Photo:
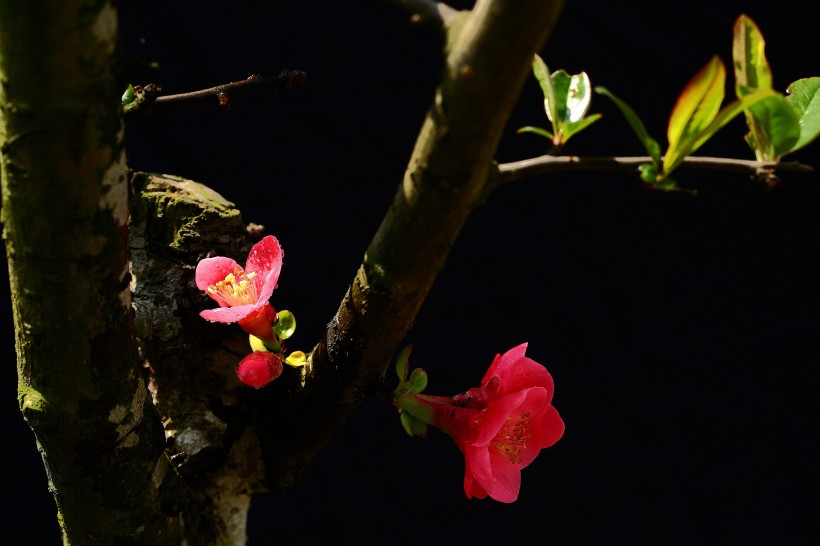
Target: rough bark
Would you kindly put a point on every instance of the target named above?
(65, 227)
(81, 384)
(191, 363)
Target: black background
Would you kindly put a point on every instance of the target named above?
(681, 332)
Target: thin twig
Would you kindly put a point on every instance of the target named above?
(428, 12)
(517, 170)
(149, 101)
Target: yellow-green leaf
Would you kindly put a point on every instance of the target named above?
(696, 107)
(726, 114)
(752, 70)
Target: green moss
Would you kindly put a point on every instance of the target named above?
(34, 406)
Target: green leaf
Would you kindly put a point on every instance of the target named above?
(403, 362)
(751, 67)
(537, 130)
(804, 98)
(574, 127)
(650, 144)
(775, 128)
(579, 95)
(413, 426)
(418, 381)
(542, 74)
(285, 325)
(561, 82)
(696, 107)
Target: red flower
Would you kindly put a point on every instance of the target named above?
(259, 368)
(500, 426)
(242, 294)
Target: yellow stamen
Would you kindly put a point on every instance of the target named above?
(513, 436)
(236, 288)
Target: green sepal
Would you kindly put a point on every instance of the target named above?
(297, 359)
(403, 364)
(417, 382)
(129, 96)
(285, 325)
(413, 426)
(259, 344)
(648, 173)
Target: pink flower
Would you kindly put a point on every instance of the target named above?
(259, 368)
(242, 294)
(500, 427)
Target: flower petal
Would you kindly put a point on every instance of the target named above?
(212, 270)
(227, 314)
(551, 427)
(265, 259)
(477, 462)
(471, 487)
(503, 361)
(506, 480)
(496, 415)
(516, 371)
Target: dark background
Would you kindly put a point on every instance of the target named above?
(681, 332)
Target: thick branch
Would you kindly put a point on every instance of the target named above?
(517, 170)
(488, 60)
(65, 214)
(149, 102)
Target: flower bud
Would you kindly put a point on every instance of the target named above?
(259, 368)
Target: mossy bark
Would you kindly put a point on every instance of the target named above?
(65, 225)
(207, 414)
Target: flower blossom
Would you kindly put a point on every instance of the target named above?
(259, 368)
(500, 427)
(242, 294)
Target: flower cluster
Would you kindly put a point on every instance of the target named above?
(500, 427)
(242, 295)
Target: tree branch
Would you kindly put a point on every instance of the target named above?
(517, 170)
(445, 180)
(149, 102)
